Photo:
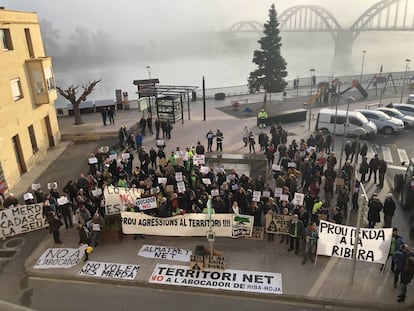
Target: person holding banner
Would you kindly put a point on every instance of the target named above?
(375, 207)
(311, 234)
(295, 233)
(396, 244)
(54, 225)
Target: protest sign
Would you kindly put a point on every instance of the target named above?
(257, 234)
(339, 240)
(125, 156)
(234, 187)
(214, 262)
(196, 262)
(179, 176)
(112, 156)
(284, 197)
(182, 155)
(165, 252)
(104, 149)
(118, 198)
(145, 204)
(155, 190)
(118, 271)
(162, 162)
(160, 143)
(199, 159)
(28, 196)
(162, 180)
(292, 164)
(22, 219)
(215, 192)
(278, 192)
(169, 188)
(52, 185)
(93, 160)
(266, 194)
(275, 167)
(278, 223)
(97, 192)
(179, 161)
(36, 186)
(236, 280)
(194, 224)
(181, 187)
(204, 169)
(62, 200)
(60, 258)
(256, 196)
(298, 198)
(206, 181)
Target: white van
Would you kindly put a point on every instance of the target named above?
(358, 124)
(410, 99)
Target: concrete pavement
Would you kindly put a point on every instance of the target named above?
(326, 283)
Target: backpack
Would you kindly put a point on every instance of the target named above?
(409, 264)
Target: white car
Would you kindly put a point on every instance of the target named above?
(384, 122)
(410, 99)
(403, 108)
(395, 113)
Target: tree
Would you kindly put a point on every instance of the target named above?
(271, 69)
(70, 94)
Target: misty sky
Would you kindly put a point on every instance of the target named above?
(131, 16)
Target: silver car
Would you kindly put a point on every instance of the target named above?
(395, 113)
(403, 108)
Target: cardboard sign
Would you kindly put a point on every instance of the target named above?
(162, 180)
(256, 196)
(36, 186)
(52, 185)
(160, 143)
(266, 194)
(278, 192)
(196, 262)
(169, 188)
(93, 160)
(339, 241)
(118, 198)
(291, 164)
(204, 169)
(276, 167)
(145, 204)
(28, 196)
(258, 234)
(199, 159)
(125, 156)
(165, 252)
(97, 192)
(104, 149)
(278, 224)
(62, 200)
(179, 176)
(179, 161)
(284, 197)
(112, 157)
(206, 181)
(181, 187)
(58, 258)
(22, 219)
(109, 270)
(162, 162)
(235, 280)
(214, 262)
(298, 198)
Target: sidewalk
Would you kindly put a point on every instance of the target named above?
(327, 283)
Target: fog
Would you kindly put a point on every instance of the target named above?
(183, 40)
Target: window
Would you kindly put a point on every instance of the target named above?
(29, 42)
(16, 89)
(49, 79)
(339, 120)
(33, 139)
(355, 121)
(6, 39)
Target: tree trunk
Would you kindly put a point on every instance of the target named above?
(76, 113)
(265, 99)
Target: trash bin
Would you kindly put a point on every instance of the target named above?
(199, 250)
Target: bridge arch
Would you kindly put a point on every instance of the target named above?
(247, 26)
(373, 18)
(309, 18)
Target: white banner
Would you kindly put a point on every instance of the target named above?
(197, 224)
(117, 199)
(198, 159)
(60, 257)
(146, 203)
(236, 280)
(22, 219)
(338, 241)
(109, 270)
(165, 252)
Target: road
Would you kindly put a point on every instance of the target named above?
(64, 296)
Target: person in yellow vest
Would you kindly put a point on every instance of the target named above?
(262, 117)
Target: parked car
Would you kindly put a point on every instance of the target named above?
(384, 122)
(410, 99)
(331, 121)
(395, 113)
(403, 108)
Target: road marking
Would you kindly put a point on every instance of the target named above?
(396, 167)
(323, 276)
(386, 154)
(403, 156)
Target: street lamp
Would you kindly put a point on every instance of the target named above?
(313, 81)
(362, 65)
(407, 61)
(149, 94)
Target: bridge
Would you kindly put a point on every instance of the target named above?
(385, 15)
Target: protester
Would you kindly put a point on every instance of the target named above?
(296, 231)
(388, 210)
(374, 209)
(210, 137)
(404, 265)
(311, 235)
(54, 225)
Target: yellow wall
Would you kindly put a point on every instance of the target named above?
(17, 116)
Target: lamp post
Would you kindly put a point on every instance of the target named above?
(362, 65)
(149, 94)
(313, 80)
(407, 61)
(349, 100)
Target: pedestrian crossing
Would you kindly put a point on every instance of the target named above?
(392, 155)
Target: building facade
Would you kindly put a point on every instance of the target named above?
(29, 125)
